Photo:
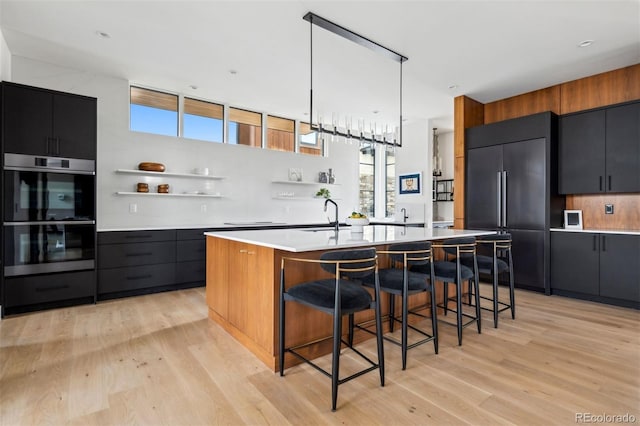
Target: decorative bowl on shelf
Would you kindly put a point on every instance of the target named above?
(357, 223)
(151, 167)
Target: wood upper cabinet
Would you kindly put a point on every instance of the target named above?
(43, 122)
(599, 151)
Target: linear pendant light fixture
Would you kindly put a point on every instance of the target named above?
(384, 137)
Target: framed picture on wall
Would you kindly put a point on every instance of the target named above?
(410, 183)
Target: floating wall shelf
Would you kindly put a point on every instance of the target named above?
(157, 194)
(170, 174)
(295, 182)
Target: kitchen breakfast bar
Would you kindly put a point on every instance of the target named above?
(243, 278)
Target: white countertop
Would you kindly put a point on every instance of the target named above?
(601, 231)
(301, 240)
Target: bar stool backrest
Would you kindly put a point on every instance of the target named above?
(348, 264)
(416, 253)
(498, 243)
(461, 246)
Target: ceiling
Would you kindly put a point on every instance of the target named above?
(487, 50)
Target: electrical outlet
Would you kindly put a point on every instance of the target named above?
(608, 209)
(133, 208)
(203, 208)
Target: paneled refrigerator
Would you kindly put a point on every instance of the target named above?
(511, 186)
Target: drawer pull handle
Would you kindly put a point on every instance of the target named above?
(57, 287)
(137, 254)
(139, 277)
(133, 237)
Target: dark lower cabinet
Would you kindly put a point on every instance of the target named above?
(575, 262)
(33, 292)
(139, 262)
(599, 267)
(620, 266)
(191, 261)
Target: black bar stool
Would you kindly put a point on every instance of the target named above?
(400, 280)
(338, 296)
(494, 259)
(454, 271)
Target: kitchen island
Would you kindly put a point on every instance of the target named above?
(243, 278)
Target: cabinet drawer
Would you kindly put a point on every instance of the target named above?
(191, 250)
(191, 272)
(31, 290)
(124, 237)
(191, 234)
(135, 277)
(120, 255)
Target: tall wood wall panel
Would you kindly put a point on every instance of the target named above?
(626, 210)
(600, 90)
(522, 105)
(466, 113)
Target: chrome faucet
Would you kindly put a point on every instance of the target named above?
(329, 200)
(404, 215)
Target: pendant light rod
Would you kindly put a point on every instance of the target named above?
(355, 37)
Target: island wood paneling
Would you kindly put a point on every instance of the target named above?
(242, 295)
(600, 90)
(542, 100)
(466, 113)
(626, 210)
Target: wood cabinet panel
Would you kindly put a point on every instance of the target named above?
(599, 90)
(626, 214)
(547, 99)
(217, 291)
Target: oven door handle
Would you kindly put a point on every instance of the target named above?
(52, 222)
(50, 170)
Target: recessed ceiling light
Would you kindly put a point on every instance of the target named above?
(453, 86)
(585, 43)
(305, 113)
(375, 111)
(193, 87)
(233, 72)
(103, 34)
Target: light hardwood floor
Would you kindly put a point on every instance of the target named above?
(157, 359)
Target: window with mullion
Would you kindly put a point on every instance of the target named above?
(152, 111)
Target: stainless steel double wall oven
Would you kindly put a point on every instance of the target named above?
(49, 214)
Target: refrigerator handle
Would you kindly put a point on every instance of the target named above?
(498, 199)
(504, 199)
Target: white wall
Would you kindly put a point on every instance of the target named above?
(415, 157)
(247, 189)
(5, 60)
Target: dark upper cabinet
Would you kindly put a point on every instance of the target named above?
(43, 122)
(599, 151)
(623, 148)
